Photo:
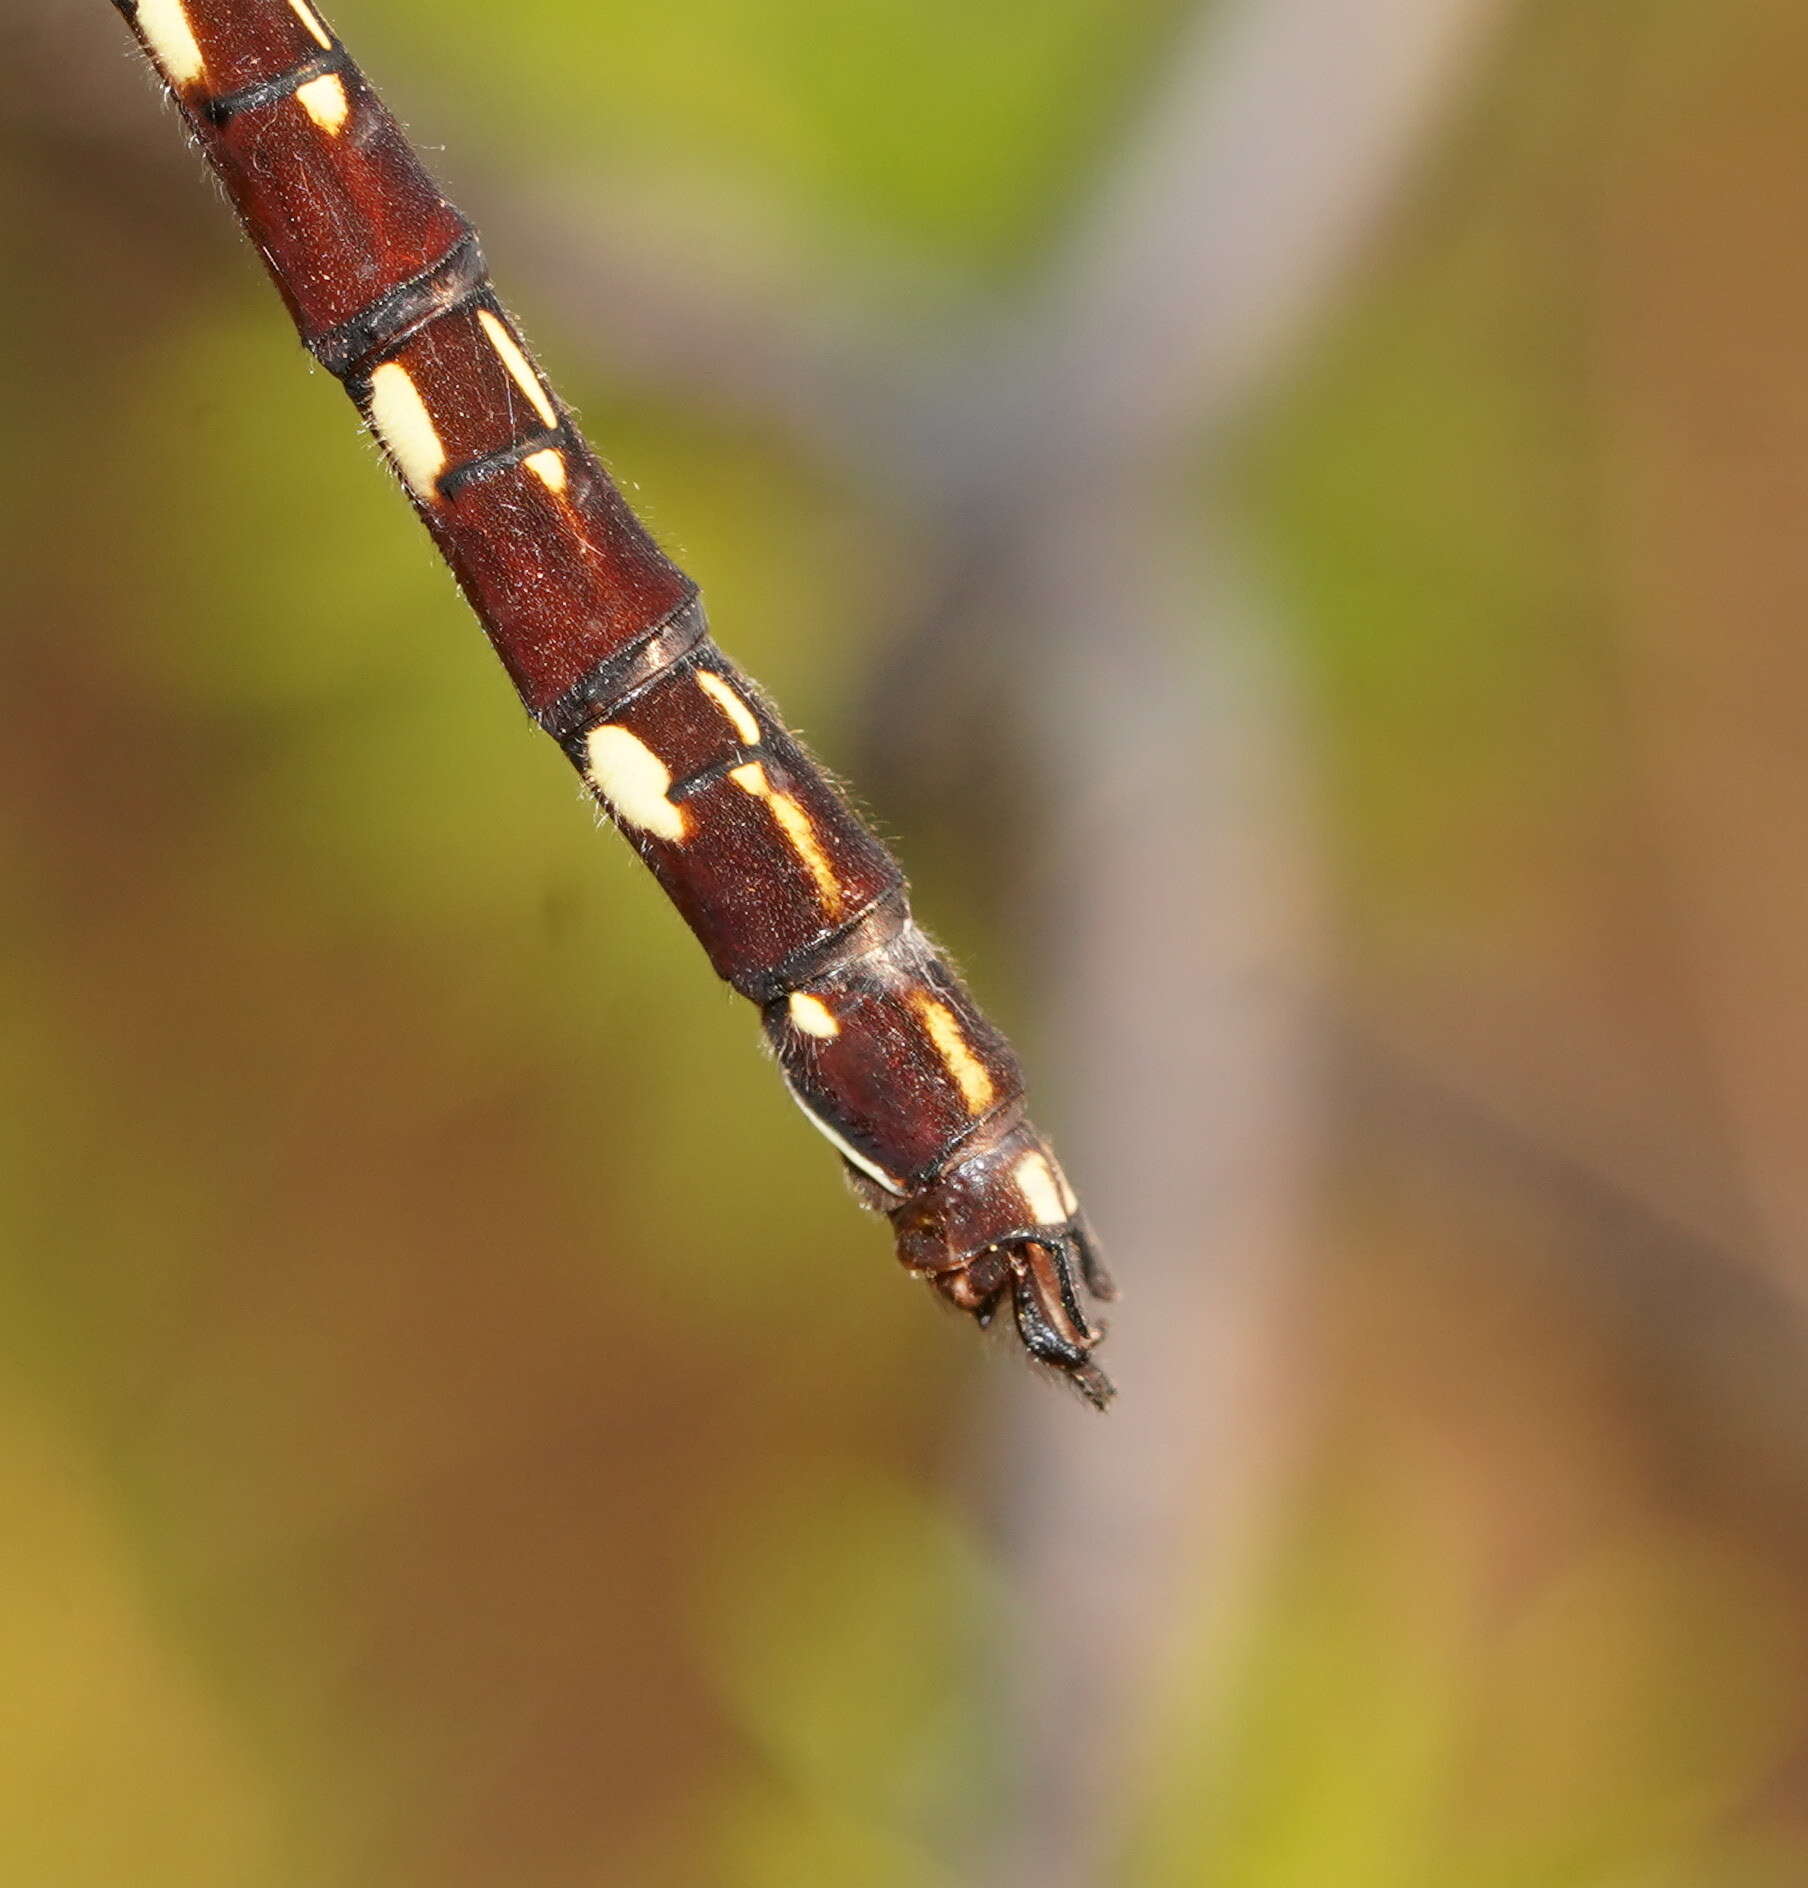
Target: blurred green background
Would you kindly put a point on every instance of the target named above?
(1291, 514)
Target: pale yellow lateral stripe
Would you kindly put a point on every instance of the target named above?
(866, 1166)
(172, 41)
(311, 20)
(399, 417)
(324, 100)
(971, 1075)
(740, 716)
(520, 369)
(795, 824)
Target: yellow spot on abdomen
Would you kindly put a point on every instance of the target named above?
(548, 467)
(1041, 1191)
(172, 41)
(399, 417)
(633, 780)
(324, 100)
(812, 1015)
(799, 833)
(971, 1076)
(508, 351)
(740, 716)
(311, 20)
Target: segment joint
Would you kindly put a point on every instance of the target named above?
(617, 679)
(261, 92)
(349, 351)
(875, 927)
(488, 465)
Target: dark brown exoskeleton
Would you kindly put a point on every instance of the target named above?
(799, 907)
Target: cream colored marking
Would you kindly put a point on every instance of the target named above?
(794, 823)
(548, 467)
(1069, 1199)
(311, 20)
(172, 41)
(324, 100)
(970, 1074)
(812, 1015)
(633, 779)
(1036, 1182)
(871, 1171)
(508, 351)
(740, 716)
(400, 419)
